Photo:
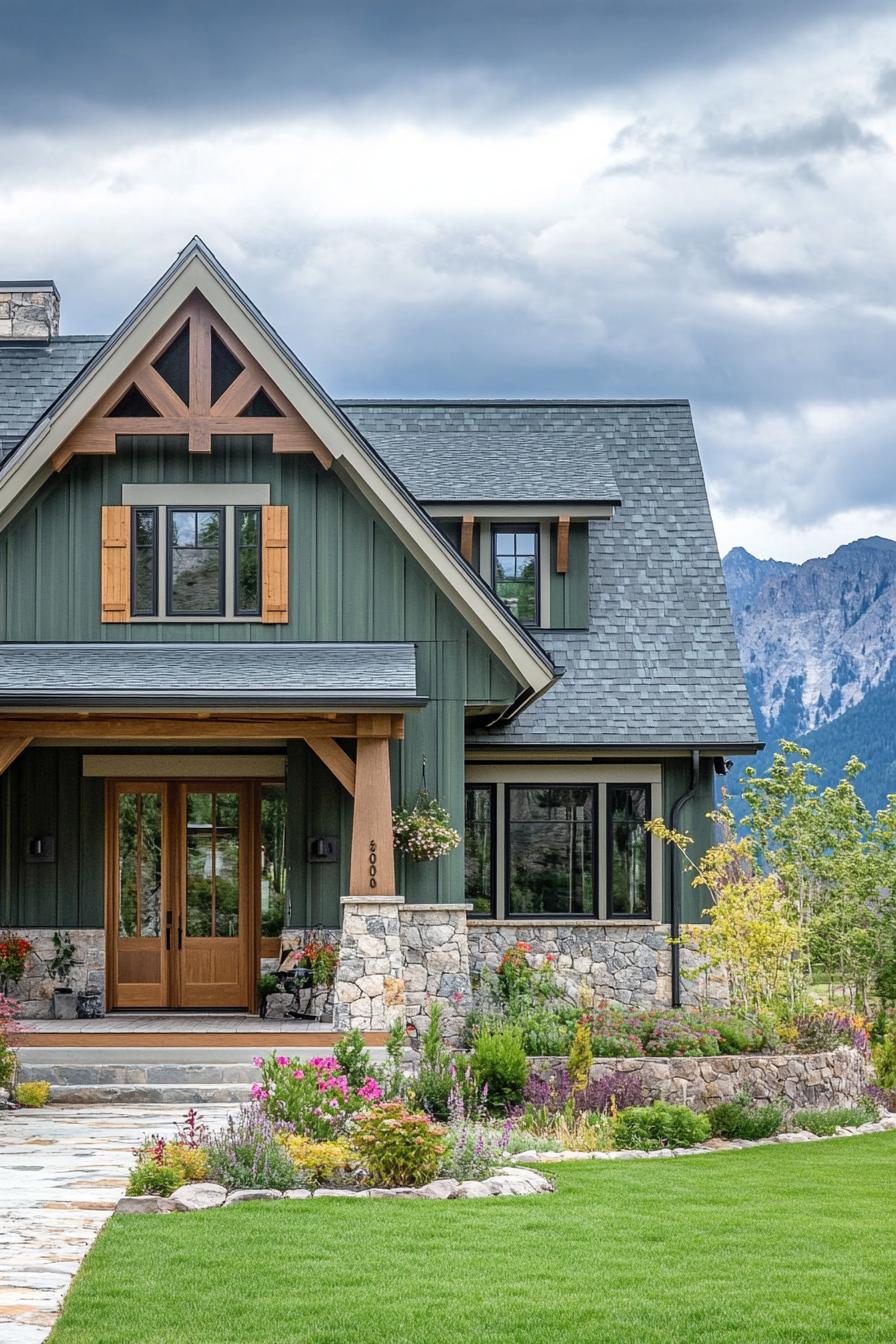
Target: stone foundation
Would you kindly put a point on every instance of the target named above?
(436, 964)
(369, 992)
(831, 1078)
(625, 962)
(34, 991)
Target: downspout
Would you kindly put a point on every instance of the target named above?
(677, 863)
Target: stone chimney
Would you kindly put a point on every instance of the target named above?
(29, 310)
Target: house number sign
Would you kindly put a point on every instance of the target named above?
(371, 864)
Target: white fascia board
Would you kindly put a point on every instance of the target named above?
(192, 272)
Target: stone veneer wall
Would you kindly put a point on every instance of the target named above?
(627, 962)
(436, 964)
(34, 991)
(369, 990)
(830, 1078)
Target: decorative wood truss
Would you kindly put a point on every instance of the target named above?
(195, 379)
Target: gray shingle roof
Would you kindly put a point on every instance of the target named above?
(257, 675)
(510, 452)
(32, 375)
(659, 664)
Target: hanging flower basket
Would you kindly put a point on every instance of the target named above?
(424, 831)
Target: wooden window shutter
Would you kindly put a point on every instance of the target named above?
(275, 564)
(115, 567)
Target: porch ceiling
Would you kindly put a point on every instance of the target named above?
(282, 676)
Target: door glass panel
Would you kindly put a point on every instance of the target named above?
(213, 885)
(273, 859)
(139, 865)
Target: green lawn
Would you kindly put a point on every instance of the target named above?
(785, 1243)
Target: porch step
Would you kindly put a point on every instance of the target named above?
(148, 1094)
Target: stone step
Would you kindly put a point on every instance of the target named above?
(92, 1073)
(148, 1094)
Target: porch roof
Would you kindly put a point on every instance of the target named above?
(246, 675)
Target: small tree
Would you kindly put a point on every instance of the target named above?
(753, 933)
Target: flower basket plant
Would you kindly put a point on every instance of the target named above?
(424, 831)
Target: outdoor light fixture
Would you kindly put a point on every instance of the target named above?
(41, 849)
(323, 849)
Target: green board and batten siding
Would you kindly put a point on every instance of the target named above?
(350, 579)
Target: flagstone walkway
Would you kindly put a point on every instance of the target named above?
(62, 1170)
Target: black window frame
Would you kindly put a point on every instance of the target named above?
(648, 852)
(503, 529)
(530, 916)
(238, 511)
(154, 510)
(491, 789)
(221, 610)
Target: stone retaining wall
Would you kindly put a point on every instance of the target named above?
(626, 962)
(34, 991)
(830, 1078)
(436, 964)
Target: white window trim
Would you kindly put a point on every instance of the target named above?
(544, 560)
(602, 776)
(226, 497)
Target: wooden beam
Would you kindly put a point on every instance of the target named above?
(466, 538)
(186, 728)
(374, 725)
(10, 749)
(372, 871)
(337, 761)
(562, 544)
(158, 393)
(238, 394)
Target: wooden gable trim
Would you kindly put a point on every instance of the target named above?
(466, 537)
(99, 430)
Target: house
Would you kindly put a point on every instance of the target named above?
(240, 621)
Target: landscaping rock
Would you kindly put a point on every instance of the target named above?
(533, 1181)
(144, 1204)
(443, 1189)
(473, 1190)
(244, 1196)
(279, 1006)
(199, 1195)
(296, 1194)
(396, 1192)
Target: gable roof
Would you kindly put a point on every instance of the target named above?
(25, 470)
(510, 451)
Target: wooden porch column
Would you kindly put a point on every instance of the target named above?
(372, 873)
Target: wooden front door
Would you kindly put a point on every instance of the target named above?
(179, 882)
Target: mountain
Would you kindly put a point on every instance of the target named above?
(818, 647)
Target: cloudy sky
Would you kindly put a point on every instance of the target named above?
(503, 198)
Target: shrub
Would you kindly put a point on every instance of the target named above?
(436, 1072)
(743, 1118)
(548, 1030)
(499, 1066)
(660, 1126)
(473, 1149)
(672, 1036)
(584, 1132)
(397, 1146)
(353, 1058)
(13, 959)
(612, 1093)
(8, 1031)
(33, 1095)
(313, 1096)
(615, 1032)
(148, 1178)
(825, 1122)
(246, 1155)
(578, 1066)
(825, 1028)
(884, 1058)
(319, 1163)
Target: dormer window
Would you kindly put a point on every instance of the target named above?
(515, 568)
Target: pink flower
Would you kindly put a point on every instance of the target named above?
(258, 1092)
(371, 1090)
(298, 1073)
(258, 1062)
(282, 1061)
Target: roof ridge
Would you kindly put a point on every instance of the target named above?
(513, 401)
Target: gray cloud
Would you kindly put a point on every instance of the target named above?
(833, 133)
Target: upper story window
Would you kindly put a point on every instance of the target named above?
(515, 569)
(192, 553)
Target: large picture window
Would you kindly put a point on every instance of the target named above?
(550, 849)
(628, 844)
(515, 569)
(196, 562)
(479, 848)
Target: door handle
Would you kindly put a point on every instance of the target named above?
(168, 940)
(180, 935)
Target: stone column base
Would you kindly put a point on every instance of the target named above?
(369, 992)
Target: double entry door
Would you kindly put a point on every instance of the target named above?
(179, 881)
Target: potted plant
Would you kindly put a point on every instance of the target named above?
(424, 831)
(266, 984)
(65, 1003)
(13, 958)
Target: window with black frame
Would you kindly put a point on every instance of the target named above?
(550, 849)
(479, 848)
(196, 562)
(144, 562)
(248, 562)
(515, 569)
(628, 809)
